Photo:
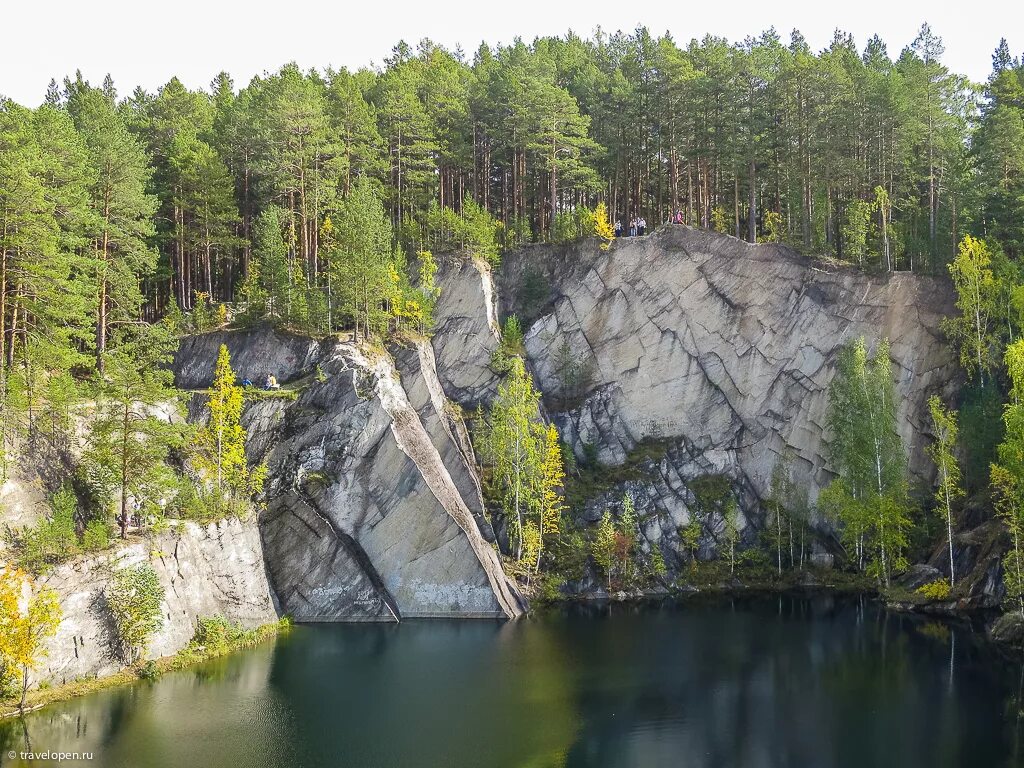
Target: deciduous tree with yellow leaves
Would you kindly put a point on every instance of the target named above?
(29, 615)
(220, 445)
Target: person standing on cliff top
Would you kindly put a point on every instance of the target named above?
(618, 228)
(641, 226)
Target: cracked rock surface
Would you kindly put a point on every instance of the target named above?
(374, 508)
(720, 349)
(212, 570)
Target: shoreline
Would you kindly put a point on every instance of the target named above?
(979, 620)
(187, 657)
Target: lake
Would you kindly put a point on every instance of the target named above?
(710, 682)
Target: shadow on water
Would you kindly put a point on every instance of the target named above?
(753, 681)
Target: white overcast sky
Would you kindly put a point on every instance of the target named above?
(143, 42)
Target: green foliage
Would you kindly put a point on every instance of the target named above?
(689, 537)
(510, 345)
(52, 540)
(719, 220)
(869, 496)
(570, 226)
(944, 426)
(977, 290)
(1007, 477)
(773, 228)
(602, 547)
(130, 442)
(937, 590)
(855, 231)
(218, 447)
(149, 671)
(96, 536)
(363, 270)
(133, 597)
(981, 431)
(787, 527)
(514, 443)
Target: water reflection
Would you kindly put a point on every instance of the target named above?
(755, 682)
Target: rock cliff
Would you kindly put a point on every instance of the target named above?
(684, 356)
(704, 355)
(213, 570)
(374, 509)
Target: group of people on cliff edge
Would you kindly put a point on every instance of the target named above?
(637, 227)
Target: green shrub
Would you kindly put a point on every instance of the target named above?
(149, 671)
(96, 536)
(215, 635)
(134, 597)
(658, 569)
(51, 541)
(935, 590)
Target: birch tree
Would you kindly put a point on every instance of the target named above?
(977, 293)
(869, 495)
(944, 425)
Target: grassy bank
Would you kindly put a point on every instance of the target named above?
(215, 637)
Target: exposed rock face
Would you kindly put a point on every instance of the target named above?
(466, 331)
(216, 570)
(374, 505)
(255, 354)
(717, 349)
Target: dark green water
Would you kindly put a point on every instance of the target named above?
(808, 683)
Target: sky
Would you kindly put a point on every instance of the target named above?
(141, 42)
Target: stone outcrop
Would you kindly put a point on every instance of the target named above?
(255, 354)
(212, 570)
(717, 351)
(466, 331)
(374, 509)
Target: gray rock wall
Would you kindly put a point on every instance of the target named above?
(718, 351)
(213, 570)
(688, 334)
(255, 354)
(374, 510)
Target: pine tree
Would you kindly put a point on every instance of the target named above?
(129, 440)
(121, 205)
(44, 296)
(362, 264)
(552, 482)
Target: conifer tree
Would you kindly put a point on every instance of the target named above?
(129, 440)
(363, 265)
(122, 207)
(552, 481)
